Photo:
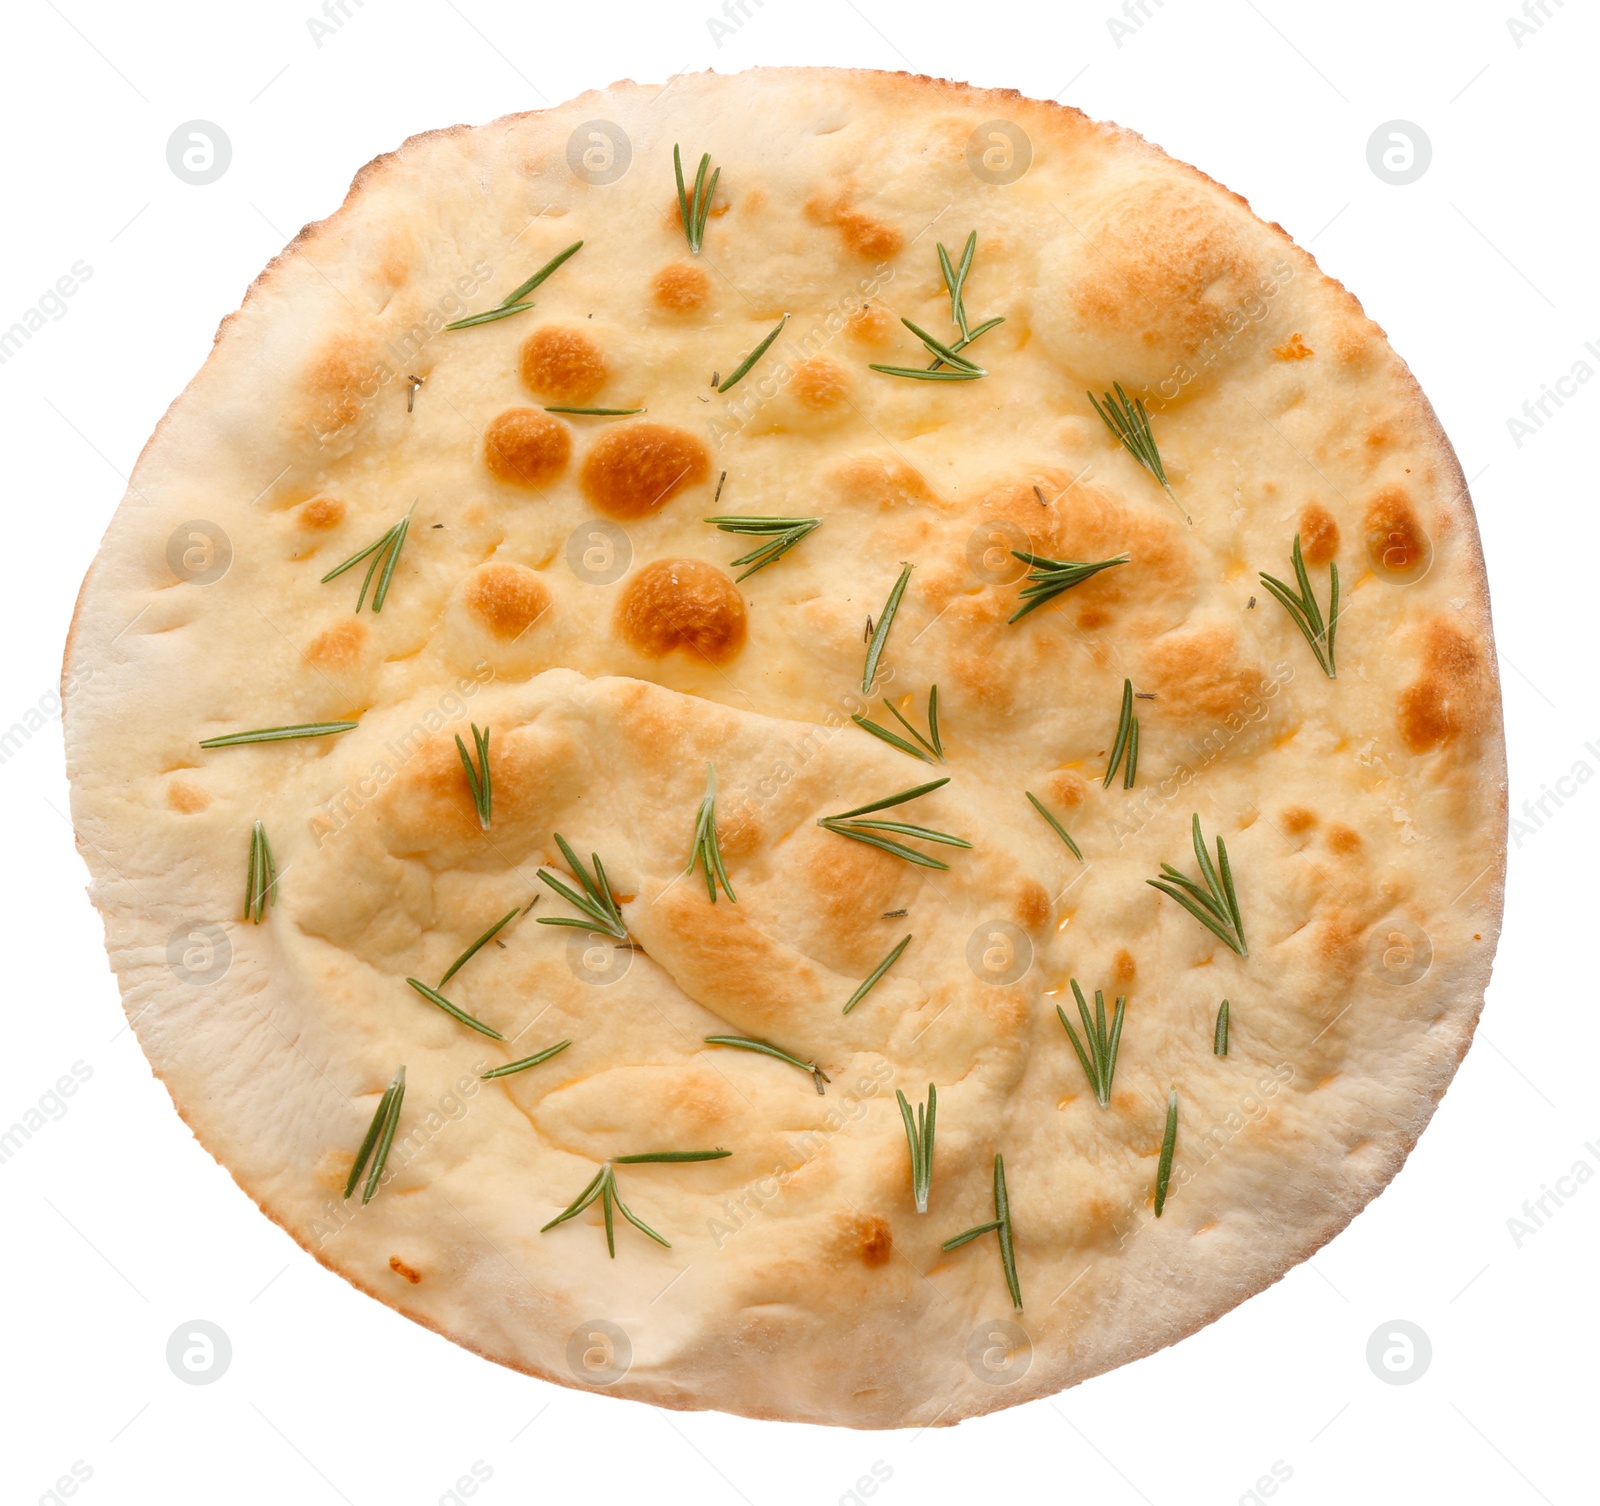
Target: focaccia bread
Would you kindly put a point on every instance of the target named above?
(1318, 795)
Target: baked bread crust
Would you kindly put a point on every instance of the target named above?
(1363, 815)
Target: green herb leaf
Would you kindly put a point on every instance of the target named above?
(1130, 422)
(600, 412)
(518, 294)
(846, 824)
(526, 1062)
(650, 1157)
(1169, 1141)
(380, 1134)
(919, 1140)
(880, 634)
(1000, 1224)
(766, 1048)
(1048, 578)
(473, 950)
(877, 973)
(386, 553)
(789, 532)
(433, 996)
(596, 901)
(743, 368)
(479, 779)
(929, 749)
(1127, 741)
(279, 734)
(1055, 825)
(1303, 609)
(1099, 1059)
(1215, 906)
(505, 311)
(704, 849)
(694, 209)
(261, 879)
(604, 1187)
(1219, 1040)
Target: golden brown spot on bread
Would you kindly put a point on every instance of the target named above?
(1293, 349)
(187, 798)
(507, 599)
(1319, 534)
(337, 647)
(526, 448)
(1297, 819)
(563, 365)
(870, 325)
(333, 384)
(1123, 968)
(1093, 617)
(400, 1268)
(1199, 675)
(1343, 840)
(871, 238)
(874, 1240)
(1449, 696)
(1033, 905)
(1396, 543)
(680, 288)
(820, 384)
(634, 469)
(879, 481)
(683, 603)
(320, 514)
(1066, 788)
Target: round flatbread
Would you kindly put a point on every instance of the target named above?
(1011, 344)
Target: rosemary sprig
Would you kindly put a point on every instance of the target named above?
(948, 354)
(596, 901)
(599, 412)
(433, 996)
(1055, 825)
(261, 878)
(704, 849)
(380, 1135)
(1304, 611)
(1048, 578)
(516, 295)
(278, 734)
(526, 1062)
(1000, 1224)
(473, 950)
(1215, 906)
(695, 208)
(512, 303)
(880, 634)
(955, 280)
(872, 978)
(385, 552)
(745, 1043)
(1219, 1040)
(1130, 422)
(919, 1140)
(846, 825)
(479, 779)
(929, 749)
(942, 352)
(1169, 1141)
(604, 1187)
(1127, 742)
(788, 531)
(1100, 1058)
(742, 370)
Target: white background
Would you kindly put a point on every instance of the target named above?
(119, 1227)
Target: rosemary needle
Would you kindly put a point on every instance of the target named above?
(526, 1062)
(1129, 420)
(386, 553)
(1000, 1224)
(597, 901)
(1055, 825)
(278, 734)
(846, 824)
(919, 1140)
(872, 978)
(512, 303)
(743, 368)
(1099, 1059)
(1127, 741)
(505, 311)
(1048, 578)
(1219, 1040)
(604, 1187)
(1215, 905)
(1169, 1140)
(745, 1043)
(433, 996)
(261, 880)
(788, 531)
(599, 412)
(880, 634)
(705, 849)
(473, 950)
(673, 1157)
(1304, 611)
(695, 208)
(929, 749)
(479, 780)
(379, 1136)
